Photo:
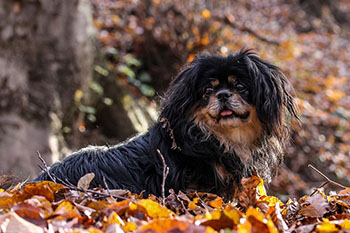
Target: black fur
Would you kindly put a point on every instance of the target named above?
(192, 157)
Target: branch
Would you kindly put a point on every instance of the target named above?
(165, 174)
(230, 20)
(328, 181)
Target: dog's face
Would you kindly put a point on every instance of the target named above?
(239, 99)
(226, 110)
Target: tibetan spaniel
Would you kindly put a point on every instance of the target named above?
(222, 118)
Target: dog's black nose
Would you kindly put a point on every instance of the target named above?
(223, 95)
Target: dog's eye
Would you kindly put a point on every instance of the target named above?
(240, 88)
(208, 91)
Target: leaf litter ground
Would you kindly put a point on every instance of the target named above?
(51, 207)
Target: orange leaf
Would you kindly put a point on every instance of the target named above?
(44, 188)
(255, 221)
(67, 210)
(217, 203)
(192, 205)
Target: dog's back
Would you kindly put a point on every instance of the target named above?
(121, 165)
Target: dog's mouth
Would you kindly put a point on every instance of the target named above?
(226, 114)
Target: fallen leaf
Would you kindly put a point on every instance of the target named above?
(173, 225)
(16, 224)
(314, 206)
(153, 209)
(327, 227)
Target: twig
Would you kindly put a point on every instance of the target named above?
(328, 181)
(105, 182)
(46, 168)
(165, 174)
(70, 186)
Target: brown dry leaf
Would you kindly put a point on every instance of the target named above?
(42, 203)
(275, 214)
(248, 193)
(177, 203)
(173, 225)
(314, 206)
(16, 224)
(60, 223)
(84, 183)
(30, 213)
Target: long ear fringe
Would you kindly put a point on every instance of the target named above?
(273, 97)
(179, 99)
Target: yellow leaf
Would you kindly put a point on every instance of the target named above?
(130, 226)
(133, 207)
(154, 210)
(205, 13)
(271, 200)
(114, 218)
(345, 224)
(233, 214)
(261, 189)
(327, 227)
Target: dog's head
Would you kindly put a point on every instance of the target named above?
(239, 99)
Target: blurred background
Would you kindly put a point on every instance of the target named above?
(81, 72)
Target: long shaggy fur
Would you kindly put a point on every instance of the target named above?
(201, 154)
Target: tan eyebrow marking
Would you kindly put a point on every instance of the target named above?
(231, 79)
(215, 83)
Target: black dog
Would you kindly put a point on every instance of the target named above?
(222, 119)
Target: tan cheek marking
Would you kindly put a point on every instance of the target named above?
(215, 83)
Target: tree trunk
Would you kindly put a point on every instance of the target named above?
(46, 54)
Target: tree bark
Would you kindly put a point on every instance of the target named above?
(46, 54)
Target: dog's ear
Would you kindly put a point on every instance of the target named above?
(273, 94)
(179, 99)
